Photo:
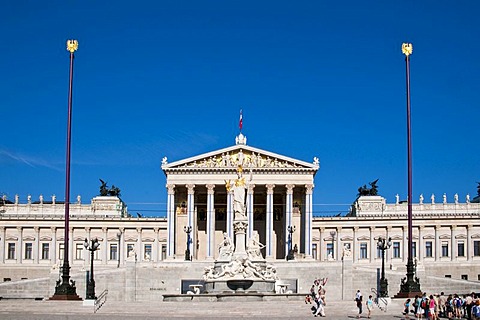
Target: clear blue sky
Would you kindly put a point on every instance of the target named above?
(168, 78)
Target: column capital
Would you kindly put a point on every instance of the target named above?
(469, 227)
(289, 188)
(437, 227)
(190, 188)
(270, 188)
(309, 188)
(356, 229)
(70, 229)
(87, 229)
(2, 228)
(139, 229)
(250, 188)
(210, 188)
(454, 227)
(121, 229)
(54, 229)
(322, 229)
(104, 229)
(421, 227)
(171, 188)
(156, 229)
(372, 228)
(36, 229)
(20, 229)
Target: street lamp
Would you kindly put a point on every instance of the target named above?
(91, 282)
(187, 230)
(409, 286)
(65, 289)
(383, 245)
(291, 230)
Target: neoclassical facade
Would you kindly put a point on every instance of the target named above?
(278, 196)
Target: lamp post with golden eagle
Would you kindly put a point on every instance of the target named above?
(410, 286)
(65, 288)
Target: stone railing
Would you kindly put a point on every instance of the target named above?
(377, 206)
(99, 207)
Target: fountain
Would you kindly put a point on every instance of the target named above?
(240, 268)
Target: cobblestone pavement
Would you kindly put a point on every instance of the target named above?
(73, 310)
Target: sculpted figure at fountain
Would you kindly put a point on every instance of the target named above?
(226, 248)
(239, 187)
(254, 246)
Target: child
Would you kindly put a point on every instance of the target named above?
(406, 311)
(369, 305)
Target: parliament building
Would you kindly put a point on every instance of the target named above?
(446, 234)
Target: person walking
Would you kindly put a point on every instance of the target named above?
(406, 310)
(358, 299)
(369, 305)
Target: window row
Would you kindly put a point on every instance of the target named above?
(45, 253)
(396, 251)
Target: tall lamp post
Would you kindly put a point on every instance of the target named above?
(291, 230)
(91, 282)
(383, 245)
(410, 285)
(187, 230)
(65, 289)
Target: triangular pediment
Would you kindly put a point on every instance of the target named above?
(232, 157)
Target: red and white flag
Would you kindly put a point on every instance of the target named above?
(240, 123)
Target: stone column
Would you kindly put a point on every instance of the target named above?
(373, 247)
(2, 244)
(20, 245)
(155, 248)
(53, 253)
(469, 242)
(388, 254)
(139, 249)
(354, 245)
(308, 220)
(338, 252)
(121, 246)
(453, 250)
(36, 247)
(320, 251)
(170, 221)
(70, 245)
(269, 221)
(191, 217)
(105, 248)
(210, 221)
(437, 244)
(86, 253)
(250, 210)
(230, 214)
(405, 244)
(420, 243)
(288, 213)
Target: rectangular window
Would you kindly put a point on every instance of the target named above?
(428, 249)
(28, 251)
(476, 248)
(444, 249)
(96, 254)
(164, 251)
(363, 250)
(113, 252)
(130, 249)
(330, 250)
(379, 253)
(464, 276)
(45, 251)
(461, 249)
(11, 251)
(414, 249)
(314, 251)
(79, 251)
(396, 249)
(61, 252)
(147, 252)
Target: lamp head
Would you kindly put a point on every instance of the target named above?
(72, 45)
(407, 49)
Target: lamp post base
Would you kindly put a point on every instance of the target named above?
(383, 288)
(65, 288)
(410, 286)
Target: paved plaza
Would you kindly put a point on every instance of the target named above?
(73, 310)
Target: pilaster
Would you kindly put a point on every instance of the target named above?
(288, 212)
(269, 221)
(170, 221)
(308, 220)
(190, 217)
(210, 221)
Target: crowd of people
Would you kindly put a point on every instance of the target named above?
(437, 306)
(317, 297)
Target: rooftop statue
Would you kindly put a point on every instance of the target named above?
(372, 191)
(105, 191)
